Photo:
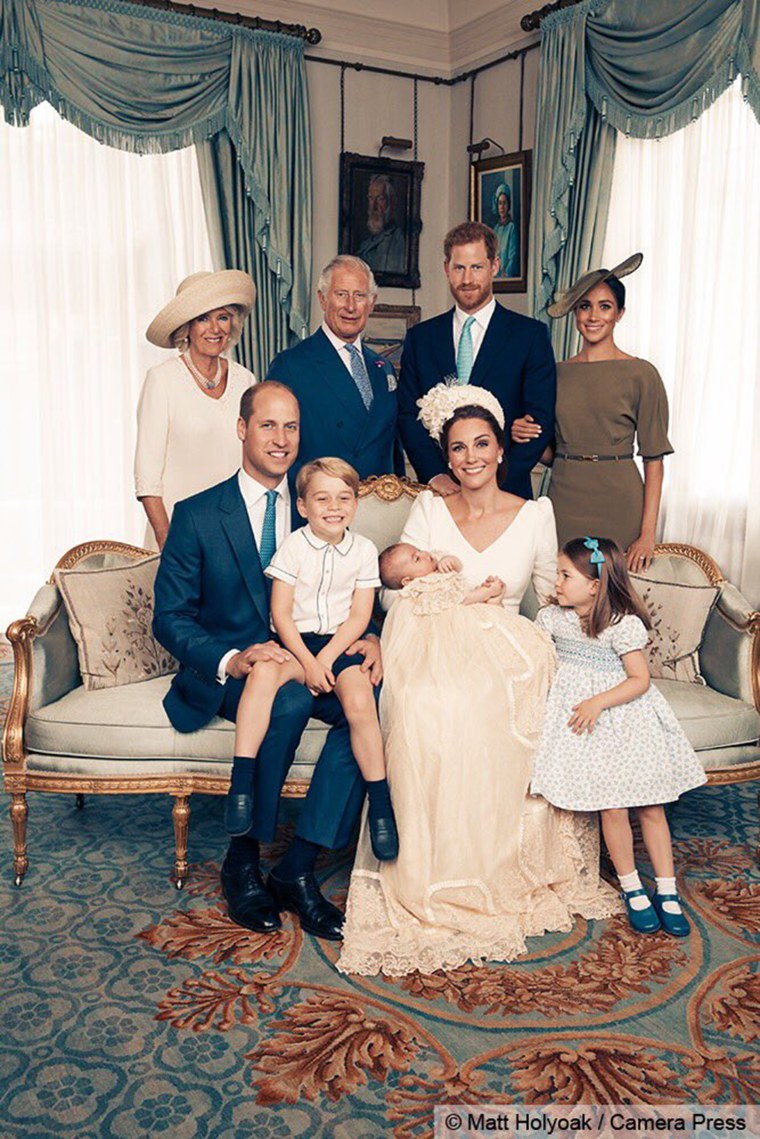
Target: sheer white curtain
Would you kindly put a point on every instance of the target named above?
(93, 242)
(691, 203)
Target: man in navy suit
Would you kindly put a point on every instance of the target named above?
(477, 342)
(212, 613)
(346, 392)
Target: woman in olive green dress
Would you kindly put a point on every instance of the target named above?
(606, 400)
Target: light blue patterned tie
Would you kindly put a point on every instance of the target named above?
(268, 534)
(465, 352)
(359, 372)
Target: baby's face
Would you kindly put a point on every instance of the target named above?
(413, 563)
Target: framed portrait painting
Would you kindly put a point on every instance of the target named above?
(380, 216)
(387, 328)
(500, 197)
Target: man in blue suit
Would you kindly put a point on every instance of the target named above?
(212, 613)
(346, 392)
(477, 342)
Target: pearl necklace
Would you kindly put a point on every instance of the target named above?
(204, 381)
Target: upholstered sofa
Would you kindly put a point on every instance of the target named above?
(59, 737)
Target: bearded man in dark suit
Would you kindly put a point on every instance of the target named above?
(478, 342)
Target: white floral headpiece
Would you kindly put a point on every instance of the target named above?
(439, 404)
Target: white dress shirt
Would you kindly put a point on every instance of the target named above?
(477, 329)
(325, 576)
(341, 345)
(254, 497)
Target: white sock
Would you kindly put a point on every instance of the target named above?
(668, 886)
(630, 882)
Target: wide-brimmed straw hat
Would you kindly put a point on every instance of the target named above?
(566, 302)
(199, 293)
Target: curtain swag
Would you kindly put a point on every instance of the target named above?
(150, 81)
(647, 68)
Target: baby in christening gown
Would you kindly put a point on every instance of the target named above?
(462, 705)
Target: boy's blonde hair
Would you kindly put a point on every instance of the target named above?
(336, 468)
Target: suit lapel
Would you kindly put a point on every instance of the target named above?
(492, 348)
(335, 374)
(237, 526)
(442, 346)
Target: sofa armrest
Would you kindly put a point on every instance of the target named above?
(46, 667)
(729, 658)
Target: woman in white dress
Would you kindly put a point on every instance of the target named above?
(481, 864)
(189, 405)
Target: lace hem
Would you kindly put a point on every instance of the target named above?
(382, 936)
(435, 592)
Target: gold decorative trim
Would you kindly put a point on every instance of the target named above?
(753, 628)
(709, 568)
(20, 634)
(390, 488)
(737, 773)
(104, 546)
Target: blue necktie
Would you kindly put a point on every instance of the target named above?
(465, 353)
(268, 534)
(359, 372)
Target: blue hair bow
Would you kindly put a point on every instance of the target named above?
(597, 557)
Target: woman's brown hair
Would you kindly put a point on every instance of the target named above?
(616, 596)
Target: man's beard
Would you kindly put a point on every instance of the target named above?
(377, 221)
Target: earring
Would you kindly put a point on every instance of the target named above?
(450, 467)
(501, 458)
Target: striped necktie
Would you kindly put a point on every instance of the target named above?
(465, 353)
(268, 534)
(359, 372)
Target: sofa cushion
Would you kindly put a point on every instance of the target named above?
(110, 615)
(710, 719)
(679, 614)
(129, 721)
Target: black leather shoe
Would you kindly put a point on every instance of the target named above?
(249, 903)
(302, 897)
(384, 837)
(238, 814)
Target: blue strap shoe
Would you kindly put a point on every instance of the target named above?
(644, 920)
(677, 925)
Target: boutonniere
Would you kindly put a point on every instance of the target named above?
(389, 375)
(451, 379)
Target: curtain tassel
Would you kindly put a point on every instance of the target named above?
(604, 110)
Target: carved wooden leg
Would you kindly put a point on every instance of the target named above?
(181, 819)
(19, 812)
(757, 848)
(80, 802)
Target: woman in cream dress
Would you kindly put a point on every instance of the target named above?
(188, 407)
(481, 864)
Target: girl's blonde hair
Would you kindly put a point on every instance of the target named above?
(616, 596)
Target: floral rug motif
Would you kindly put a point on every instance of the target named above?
(132, 1010)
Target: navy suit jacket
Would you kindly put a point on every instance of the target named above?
(515, 362)
(210, 597)
(334, 420)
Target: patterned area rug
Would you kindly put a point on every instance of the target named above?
(131, 1010)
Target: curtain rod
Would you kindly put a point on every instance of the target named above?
(438, 80)
(533, 20)
(256, 23)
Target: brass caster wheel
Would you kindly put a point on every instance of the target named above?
(179, 884)
(17, 880)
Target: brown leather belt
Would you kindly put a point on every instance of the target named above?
(594, 458)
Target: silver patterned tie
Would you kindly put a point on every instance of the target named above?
(359, 372)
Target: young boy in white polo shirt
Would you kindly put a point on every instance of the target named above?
(323, 590)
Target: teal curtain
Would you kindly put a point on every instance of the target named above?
(150, 81)
(644, 67)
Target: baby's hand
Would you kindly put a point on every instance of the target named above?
(585, 715)
(449, 564)
(319, 677)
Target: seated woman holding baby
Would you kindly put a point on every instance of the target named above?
(480, 864)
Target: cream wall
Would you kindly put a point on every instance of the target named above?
(431, 37)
